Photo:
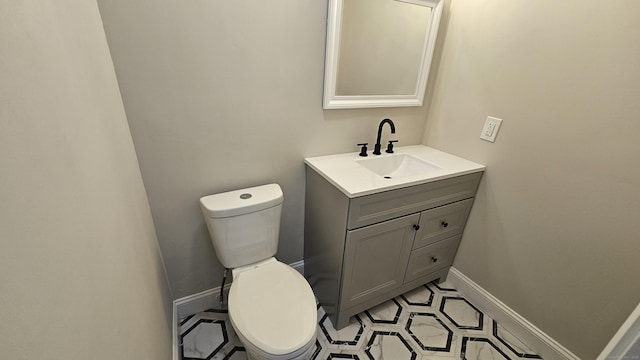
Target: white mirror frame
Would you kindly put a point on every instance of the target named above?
(333, 101)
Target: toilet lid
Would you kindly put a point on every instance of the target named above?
(273, 306)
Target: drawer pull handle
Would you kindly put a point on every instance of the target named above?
(434, 259)
(416, 227)
(445, 224)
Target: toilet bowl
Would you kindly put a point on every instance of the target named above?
(273, 311)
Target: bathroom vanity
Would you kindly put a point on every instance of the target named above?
(376, 230)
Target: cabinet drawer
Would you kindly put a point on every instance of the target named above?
(431, 258)
(370, 209)
(442, 222)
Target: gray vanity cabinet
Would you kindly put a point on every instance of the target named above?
(362, 251)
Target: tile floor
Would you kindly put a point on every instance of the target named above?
(430, 322)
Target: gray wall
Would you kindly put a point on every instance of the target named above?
(223, 95)
(554, 230)
(81, 275)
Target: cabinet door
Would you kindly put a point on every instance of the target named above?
(375, 259)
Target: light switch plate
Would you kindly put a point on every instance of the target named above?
(490, 129)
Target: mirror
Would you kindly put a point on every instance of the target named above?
(379, 52)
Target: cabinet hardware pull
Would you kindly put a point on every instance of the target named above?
(434, 259)
(416, 227)
(445, 224)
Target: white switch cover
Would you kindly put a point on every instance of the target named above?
(490, 129)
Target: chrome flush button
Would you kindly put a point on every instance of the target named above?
(245, 196)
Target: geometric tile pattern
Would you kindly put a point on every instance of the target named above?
(419, 297)
(385, 313)
(389, 345)
(462, 313)
(431, 322)
(512, 343)
(429, 332)
(193, 339)
(349, 335)
(474, 348)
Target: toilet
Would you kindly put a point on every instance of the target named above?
(271, 306)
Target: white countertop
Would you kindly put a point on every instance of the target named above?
(355, 180)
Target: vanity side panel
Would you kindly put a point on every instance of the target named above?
(370, 209)
(325, 222)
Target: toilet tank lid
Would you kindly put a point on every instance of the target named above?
(243, 201)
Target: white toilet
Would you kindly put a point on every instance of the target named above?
(271, 306)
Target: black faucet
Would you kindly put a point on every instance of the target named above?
(376, 150)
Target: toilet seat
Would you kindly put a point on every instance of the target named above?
(273, 307)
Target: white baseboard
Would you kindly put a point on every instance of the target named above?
(625, 344)
(540, 342)
(208, 299)
(174, 337)
(299, 266)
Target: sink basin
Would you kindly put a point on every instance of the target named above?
(410, 165)
(399, 165)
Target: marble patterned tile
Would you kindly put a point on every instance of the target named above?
(515, 346)
(431, 322)
(351, 335)
(200, 339)
(203, 338)
(236, 353)
(320, 350)
(421, 296)
(344, 354)
(429, 332)
(389, 345)
(481, 349)
(462, 313)
(386, 313)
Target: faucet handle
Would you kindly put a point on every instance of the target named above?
(390, 146)
(363, 151)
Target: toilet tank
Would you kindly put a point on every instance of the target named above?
(244, 224)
